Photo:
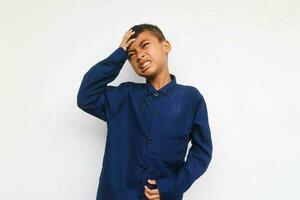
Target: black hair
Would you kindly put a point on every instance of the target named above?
(148, 27)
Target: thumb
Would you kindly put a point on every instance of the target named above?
(152, 181)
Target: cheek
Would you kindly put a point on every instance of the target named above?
(158, 57)
(133, 65)
(159, 61)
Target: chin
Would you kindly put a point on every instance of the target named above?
(149, 74)
(145, 74)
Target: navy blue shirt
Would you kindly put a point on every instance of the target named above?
(148, 132)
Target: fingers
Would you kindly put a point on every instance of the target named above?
(151, 194)
(126, 41)
(128, 34)
(152, 181)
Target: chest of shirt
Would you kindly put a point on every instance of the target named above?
(169, 116)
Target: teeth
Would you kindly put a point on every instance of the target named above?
(145, 64)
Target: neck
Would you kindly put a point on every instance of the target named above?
(161, 79)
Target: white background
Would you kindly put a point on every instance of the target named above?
(243, 56)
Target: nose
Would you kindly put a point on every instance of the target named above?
(140, 55)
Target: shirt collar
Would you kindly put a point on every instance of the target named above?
(166, 89)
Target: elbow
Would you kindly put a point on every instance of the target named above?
(211, 151)
(80, 102)
(209, 154)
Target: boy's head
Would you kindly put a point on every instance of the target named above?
(150, 45)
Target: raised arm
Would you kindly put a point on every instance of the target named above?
(95, 96)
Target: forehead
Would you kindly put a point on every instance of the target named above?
(143, 36)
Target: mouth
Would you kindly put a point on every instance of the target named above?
(145, 66)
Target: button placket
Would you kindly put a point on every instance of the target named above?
(150, 152)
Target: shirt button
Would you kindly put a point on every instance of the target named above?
(148, 141)
(156, 94)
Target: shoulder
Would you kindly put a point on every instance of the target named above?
(126, 84)
(136, 85)
(192, 91)
(121, 88)
(131, 85)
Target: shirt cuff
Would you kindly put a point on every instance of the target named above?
(119, 54)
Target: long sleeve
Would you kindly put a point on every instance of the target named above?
(95, 96)
(198, 158)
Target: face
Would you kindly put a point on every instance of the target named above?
(147, 55)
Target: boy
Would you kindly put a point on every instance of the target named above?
(149, 124)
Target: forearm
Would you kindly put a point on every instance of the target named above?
(198, 158)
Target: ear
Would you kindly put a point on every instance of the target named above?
(167, 46)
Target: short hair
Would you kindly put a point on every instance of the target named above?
(148, 27)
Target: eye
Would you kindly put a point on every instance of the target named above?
(130, 55)
(145, 44)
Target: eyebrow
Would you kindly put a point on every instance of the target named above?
(139, 45)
